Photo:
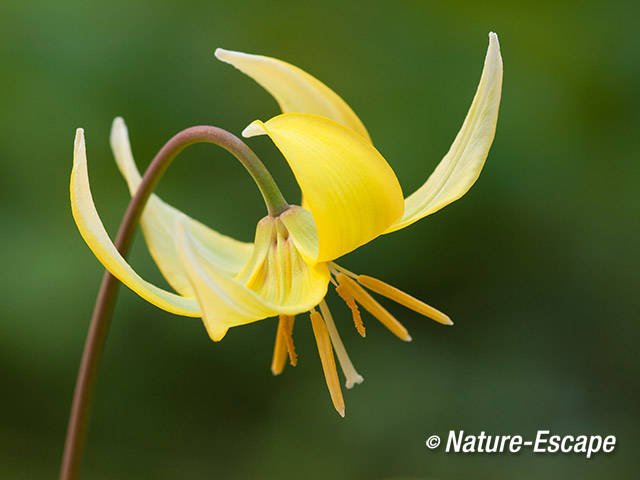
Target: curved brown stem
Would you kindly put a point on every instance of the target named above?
(101, 319)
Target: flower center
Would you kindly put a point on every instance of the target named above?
(279, 270)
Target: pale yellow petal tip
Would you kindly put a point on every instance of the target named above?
(226, 56)
(494, 43)
(447, 321)
(79, 149)
(217, 334)
(215, 330)
(254, 129)
(222, 54)
(78, 142)
(340, 412)
(407, 338)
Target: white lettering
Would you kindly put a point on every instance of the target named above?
(594, 448)
(609, 444)
(587, 445)
(452, 441)
(540, 440)
(516, 444)
(563, 445)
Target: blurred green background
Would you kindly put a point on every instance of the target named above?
(538, 265)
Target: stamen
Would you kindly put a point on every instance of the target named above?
(326, 358)
(284, 344)
(353, 306)
(373, 307)
(403, 298)
(335, 268)
(288, 336)
(280, 349)
(347, 367)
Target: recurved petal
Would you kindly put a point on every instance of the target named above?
(94, 233)
(224, 302)
(158, 221)
(461, 166)
(347, 185)
(295, 90)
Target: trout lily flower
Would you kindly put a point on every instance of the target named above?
(350, 196)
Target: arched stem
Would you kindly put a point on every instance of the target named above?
(101, 319)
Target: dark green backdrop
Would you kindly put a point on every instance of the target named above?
(537, 265)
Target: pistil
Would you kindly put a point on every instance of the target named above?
(350, 373)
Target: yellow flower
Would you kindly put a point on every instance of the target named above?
(350, 196)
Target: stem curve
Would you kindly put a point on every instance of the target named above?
(101, 318)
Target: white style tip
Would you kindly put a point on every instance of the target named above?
(353, 380)
(78, 142)
(119, 132)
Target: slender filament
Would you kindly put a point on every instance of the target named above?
(350, 373)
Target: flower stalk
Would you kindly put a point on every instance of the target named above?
(101, 318)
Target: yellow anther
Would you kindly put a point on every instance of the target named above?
(325, 350)
(403, 298)
(284, 344)
(288, 336)
(373, 307)
(279, 350)
(353, 306)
